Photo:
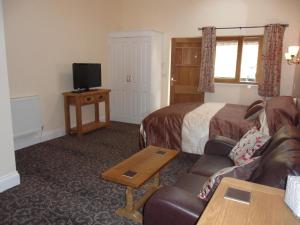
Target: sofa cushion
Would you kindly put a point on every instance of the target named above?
(242, 172)
(207, 165)
(252, 141)
(277, 164)
(191, 182)
(219, 145)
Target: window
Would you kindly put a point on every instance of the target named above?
(237, 59)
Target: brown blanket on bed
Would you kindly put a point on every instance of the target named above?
(230, 122)
(163, 127)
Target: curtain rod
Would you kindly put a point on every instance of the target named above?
(247, 27)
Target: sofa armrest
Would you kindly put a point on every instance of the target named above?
(219, 146)
(172, 206)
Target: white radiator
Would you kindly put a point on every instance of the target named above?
(26, 115)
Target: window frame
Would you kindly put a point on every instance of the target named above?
(240, 39)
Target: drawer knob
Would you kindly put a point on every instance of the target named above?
(88, 99)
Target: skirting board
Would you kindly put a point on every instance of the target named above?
(10, 180)
(32, 139)
(28, 140)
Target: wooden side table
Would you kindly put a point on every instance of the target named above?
(266, 206)
(86, 98)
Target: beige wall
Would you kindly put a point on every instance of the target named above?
(7, 157)
(296, 88)
(44, 38)
(181, 18)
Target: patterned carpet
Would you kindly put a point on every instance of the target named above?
(60, 181)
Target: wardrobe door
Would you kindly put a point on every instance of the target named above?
(130, 76)
(140, 68)
(119, 80)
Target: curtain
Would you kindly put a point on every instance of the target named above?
(269, 82)
(208, 55)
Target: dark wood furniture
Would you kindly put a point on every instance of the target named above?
(86, 98)
(146, 164)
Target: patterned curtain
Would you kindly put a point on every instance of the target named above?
(208, 55)
(269, 83)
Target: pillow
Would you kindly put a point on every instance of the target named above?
(247, 146)
(264, 127)
(253, 112)
(254, 103)
(242, 172)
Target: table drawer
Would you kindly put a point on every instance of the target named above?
(92, 99)
(100, 98)
(87, 99)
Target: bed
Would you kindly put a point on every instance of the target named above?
(188, 126)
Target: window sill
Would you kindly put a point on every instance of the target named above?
(236, 84)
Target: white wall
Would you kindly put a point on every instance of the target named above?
(8, 174)
(181, 18)
(44, 38)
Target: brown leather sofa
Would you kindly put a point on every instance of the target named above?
(179, 204)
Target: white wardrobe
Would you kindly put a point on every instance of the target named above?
(135, 61)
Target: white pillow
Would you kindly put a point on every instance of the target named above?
(264, 128)
(247, 146)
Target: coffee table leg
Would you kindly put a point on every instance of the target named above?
(156, 182)
(130, 210)
(129, 199)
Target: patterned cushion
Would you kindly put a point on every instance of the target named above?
(242, 172)
(247, 146)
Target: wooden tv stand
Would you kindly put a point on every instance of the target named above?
(78, 99)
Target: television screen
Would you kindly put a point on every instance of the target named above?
(86, 75)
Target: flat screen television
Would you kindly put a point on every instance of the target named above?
(86, 75)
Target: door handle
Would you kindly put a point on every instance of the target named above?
(172, 79)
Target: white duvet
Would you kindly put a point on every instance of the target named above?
(195, 127)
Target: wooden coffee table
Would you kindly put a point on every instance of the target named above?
(146, 164)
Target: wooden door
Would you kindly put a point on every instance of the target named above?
(185, 70)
